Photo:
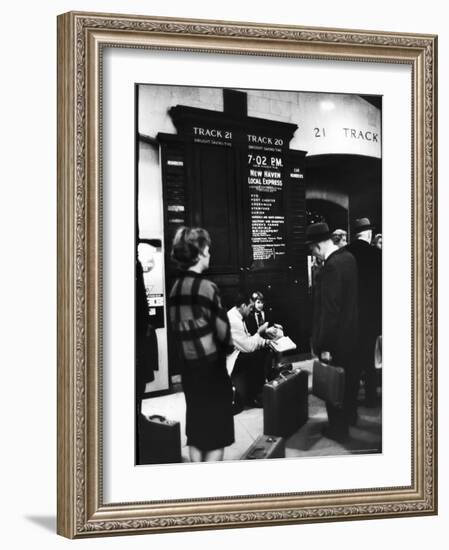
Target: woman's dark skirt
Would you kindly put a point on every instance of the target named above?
(208, 393)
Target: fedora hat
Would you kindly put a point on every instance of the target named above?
(317, 233)
(362, 224)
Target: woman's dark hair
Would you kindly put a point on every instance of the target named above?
(188, 243)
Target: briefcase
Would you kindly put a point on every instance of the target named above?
(286, 402)
(266, 446)
(159, 440)
(328, 383)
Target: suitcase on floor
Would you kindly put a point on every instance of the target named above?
(328, 383)
(266, 446)
(286, 402)
(159, 440)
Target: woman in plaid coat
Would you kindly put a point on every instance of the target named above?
(201, 329)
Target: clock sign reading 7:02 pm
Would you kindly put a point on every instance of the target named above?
(263, 160)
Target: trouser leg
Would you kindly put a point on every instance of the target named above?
(249, 374)
(366, 355)
(260, 371)
(352, 385)
(341, 417)
(239, 382)
(371, 386)
(338, 427)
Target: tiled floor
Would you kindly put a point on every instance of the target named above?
(308, 441)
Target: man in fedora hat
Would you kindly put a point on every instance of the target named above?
(369, 265)
(334, 324)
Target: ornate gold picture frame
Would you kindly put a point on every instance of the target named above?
(82, 508)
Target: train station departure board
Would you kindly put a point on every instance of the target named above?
(237, 177)
(266, 192)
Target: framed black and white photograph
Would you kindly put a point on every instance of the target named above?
(247, 173)
(246, 291)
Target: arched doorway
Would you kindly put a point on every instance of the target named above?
(335, 215)
(344, 185)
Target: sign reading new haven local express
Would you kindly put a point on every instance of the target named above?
(265, 183)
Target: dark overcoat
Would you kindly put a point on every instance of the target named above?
(369, 265)
(335, 317)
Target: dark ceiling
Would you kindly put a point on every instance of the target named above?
(375, 100)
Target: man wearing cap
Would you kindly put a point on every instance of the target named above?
(335, 323)
(369, 265)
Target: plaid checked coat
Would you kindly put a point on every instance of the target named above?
(198, 320)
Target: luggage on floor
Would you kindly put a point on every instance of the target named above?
(266, 446)
(286, 402)
(159, 440)
(328, 383)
